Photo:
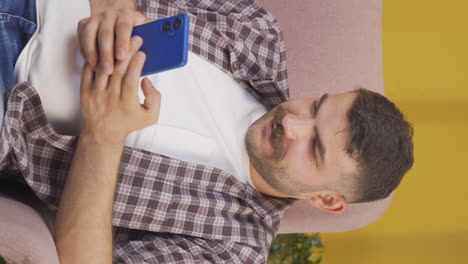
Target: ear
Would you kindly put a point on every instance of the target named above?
(329, 201)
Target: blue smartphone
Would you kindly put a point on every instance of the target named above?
(165, 43)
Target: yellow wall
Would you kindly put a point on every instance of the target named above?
(426, 74)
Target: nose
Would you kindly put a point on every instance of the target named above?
(296, 127)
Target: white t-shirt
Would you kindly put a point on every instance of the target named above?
(204, 113)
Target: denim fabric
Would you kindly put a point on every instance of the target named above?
(17, 25)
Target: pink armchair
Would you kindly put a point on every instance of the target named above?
(332, 46)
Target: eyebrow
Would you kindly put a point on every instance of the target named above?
(319, 143)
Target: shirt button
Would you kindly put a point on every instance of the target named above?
(235, 65)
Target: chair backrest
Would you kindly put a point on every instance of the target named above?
(331, 46)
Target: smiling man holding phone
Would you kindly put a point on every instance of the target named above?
(201, 169)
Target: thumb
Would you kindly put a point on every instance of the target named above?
(148, 20)
(152, 101)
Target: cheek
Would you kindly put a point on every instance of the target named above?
(300, 152)
(299, 164)
(254, 135)
(260, 123)
(302, 168)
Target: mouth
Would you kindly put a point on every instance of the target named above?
(268, 130)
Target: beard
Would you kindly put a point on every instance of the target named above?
(268, 164)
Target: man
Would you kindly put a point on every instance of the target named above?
(331, 150)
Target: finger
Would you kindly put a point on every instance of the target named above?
(152, 101)
(88, 42)
(148, 20)
(132, 77)
(140, 19)
(121, 67)
(106, 44)
(86, 79)
(101, 80)
(123, 30)
(81, 25)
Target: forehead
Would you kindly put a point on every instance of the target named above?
(333, 127)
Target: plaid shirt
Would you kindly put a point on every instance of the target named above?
(168, 210)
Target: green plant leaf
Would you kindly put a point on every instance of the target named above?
(318, 261)
(295, 249)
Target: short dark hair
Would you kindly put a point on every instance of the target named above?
(381, 142)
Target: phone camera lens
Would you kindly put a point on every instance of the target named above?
(177, 23)
(166, 26)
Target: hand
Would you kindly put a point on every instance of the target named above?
(111, 23)
(110, 104)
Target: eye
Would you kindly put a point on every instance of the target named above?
(315, 107)
(313, 147)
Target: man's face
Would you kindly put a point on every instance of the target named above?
(300, 145)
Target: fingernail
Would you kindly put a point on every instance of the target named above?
(120, 53)
(106, 68)
(140, 55)
(136, 40)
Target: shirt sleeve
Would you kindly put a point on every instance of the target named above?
(148, 247)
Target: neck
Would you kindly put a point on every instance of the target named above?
(262, 186)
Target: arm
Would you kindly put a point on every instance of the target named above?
(84, 228)
(111, 110)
